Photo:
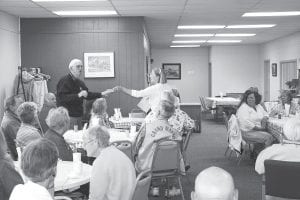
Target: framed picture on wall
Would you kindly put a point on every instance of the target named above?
(274, 69)
(99, 65)
(172, 70)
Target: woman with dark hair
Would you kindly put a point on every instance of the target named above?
(9, 177)
(158, 84)
(253, 119)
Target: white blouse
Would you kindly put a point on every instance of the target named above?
(153, 93)
(248, 118)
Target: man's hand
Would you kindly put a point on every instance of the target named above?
(107, 92)
(83, 93)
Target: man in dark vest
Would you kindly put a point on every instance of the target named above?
(71, 91)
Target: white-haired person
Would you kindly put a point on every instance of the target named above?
(214, 183)
(113, 174)
(27, 132)
(157, 129)
(158, 83)
(9, 177)
(58, 121)
(286, 151)
(49, 103)
(38, 164)
(180, 119)
(99, 115)
(71, 91)
(11, 123)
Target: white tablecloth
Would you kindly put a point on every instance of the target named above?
(115, 135)
(224, 101)
(65, 177)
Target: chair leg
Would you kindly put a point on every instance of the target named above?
(230, 153)
(226, 151)
(179, 182)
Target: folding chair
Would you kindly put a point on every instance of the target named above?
(125, 146)
(282, 179)
(167, 162)
(143, 182)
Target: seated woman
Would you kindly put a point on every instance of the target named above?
(9, 177)
(158, 128)
(284, 152)
(98, 114)
(113, 174)
(285, 99)
(252, 119)
(58, 121)
(27, 132)
(38, 164)
(179, 120)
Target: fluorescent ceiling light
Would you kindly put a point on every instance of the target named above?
(224, 41)
(201, 27)
(85, 13)
(188, 41)
(185, 45)
(235, 34)
(194, 35)
(63, 0)
(271, 14)
(252, 26)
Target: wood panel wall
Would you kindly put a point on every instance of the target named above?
(52, 43)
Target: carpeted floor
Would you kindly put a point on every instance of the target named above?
(207, 149)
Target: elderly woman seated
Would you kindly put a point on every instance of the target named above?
(11, 123)
(252, 119)
(38, 164)
(27, 132)
(58, 121)
(179, 120)
(98, 114)
(49, 103)
(113, 174)
(288, 151)
(285, 102)
(152, 131)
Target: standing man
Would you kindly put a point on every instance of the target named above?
(71, 91)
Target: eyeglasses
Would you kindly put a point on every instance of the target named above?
(92, 140)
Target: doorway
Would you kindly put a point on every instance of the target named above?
(288, 72)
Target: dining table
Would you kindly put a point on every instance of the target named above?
(222, 101)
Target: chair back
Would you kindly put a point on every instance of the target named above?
(203, 104)
(270, 105)
(137, 113)
(186, 139)
(142, 186)
(166, 156)
(125, 147)
(225, 120)
(282, 179)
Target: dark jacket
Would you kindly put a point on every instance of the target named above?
(43, 115)
(10, 125)
(64, 150)
(9, 178)
(67, 95)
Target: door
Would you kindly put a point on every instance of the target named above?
(288, 72)
(267, 80)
